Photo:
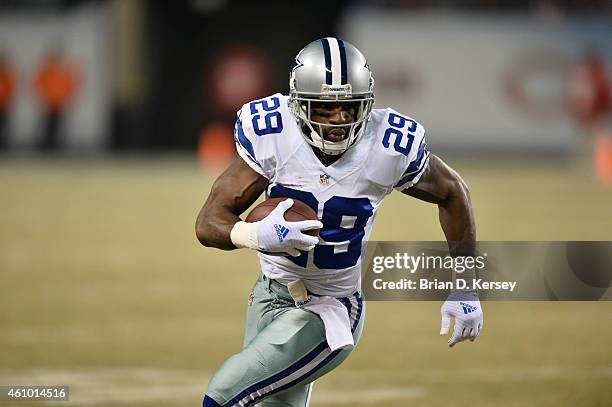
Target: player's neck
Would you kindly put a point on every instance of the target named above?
(326, 159)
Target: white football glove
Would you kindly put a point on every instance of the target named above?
(464, 306)
(275, 235)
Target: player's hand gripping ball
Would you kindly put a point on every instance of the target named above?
(297, 212)
(284, 226)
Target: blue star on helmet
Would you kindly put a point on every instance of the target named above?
(296, 64)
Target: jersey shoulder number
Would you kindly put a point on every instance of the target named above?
(400, 149)
(258, 127)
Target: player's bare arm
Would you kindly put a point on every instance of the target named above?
(231, 194)
(442, 185)
(218, 223)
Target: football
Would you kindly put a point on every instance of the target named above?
(299, 211)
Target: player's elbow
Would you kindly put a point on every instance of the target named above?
(203, 230)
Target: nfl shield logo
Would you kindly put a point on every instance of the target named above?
(324, 179)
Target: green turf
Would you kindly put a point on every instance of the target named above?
(104, 287)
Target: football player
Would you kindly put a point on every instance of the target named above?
(326, 146)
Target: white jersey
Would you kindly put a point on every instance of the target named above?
(391, 154)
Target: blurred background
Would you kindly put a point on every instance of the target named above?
(115, 117)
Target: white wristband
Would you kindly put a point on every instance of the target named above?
(244, 235)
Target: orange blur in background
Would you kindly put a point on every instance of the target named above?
(56, 82)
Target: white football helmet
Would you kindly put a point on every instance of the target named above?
(330, 70)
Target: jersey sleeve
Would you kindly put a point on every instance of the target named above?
(415, 162)
(415, 168)
(256, 151)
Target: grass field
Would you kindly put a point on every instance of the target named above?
(104, 287)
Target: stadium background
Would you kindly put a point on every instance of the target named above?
(103, 285)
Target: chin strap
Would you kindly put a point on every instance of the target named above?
(314, 134)
(323, 145)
